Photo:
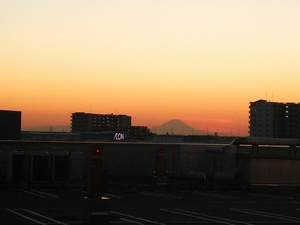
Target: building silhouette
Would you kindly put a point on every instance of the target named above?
(89, 122)
(293, 120)
(139, 133)
(274, 119)
(10, 125)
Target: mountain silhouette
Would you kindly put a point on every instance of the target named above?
(176, 126)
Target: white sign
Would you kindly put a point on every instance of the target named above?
(119, 137)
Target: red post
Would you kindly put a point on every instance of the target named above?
(160, 162)
(96, 176)
(96, 205)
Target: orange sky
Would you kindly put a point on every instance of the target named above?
(198, 61)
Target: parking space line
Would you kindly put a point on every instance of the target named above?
(266, 214)
(137, 218)
(40, 194)
(35, 214)
(203, 216)
(31, 193)
(214, 195)
(113, 196)
(19, 214)
(271, 196)
(131, 221)
(159, 195)
(44, 193)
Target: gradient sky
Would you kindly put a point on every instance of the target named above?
(200, 61)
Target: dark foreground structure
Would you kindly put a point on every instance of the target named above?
(71, 182)
(246, 163)
(10, 125)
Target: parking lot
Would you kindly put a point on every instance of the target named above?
(46, 206)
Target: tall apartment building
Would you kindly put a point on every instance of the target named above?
(274, 119)
(89, 122)
(293, 120)
(10, 125)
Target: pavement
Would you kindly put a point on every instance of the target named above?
(149, 206)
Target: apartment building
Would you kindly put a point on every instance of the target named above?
(90, 122)
(274, 119)
(139, 133)
(10, 125)
(293, 120)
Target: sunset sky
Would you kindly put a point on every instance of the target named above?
(200, 61)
